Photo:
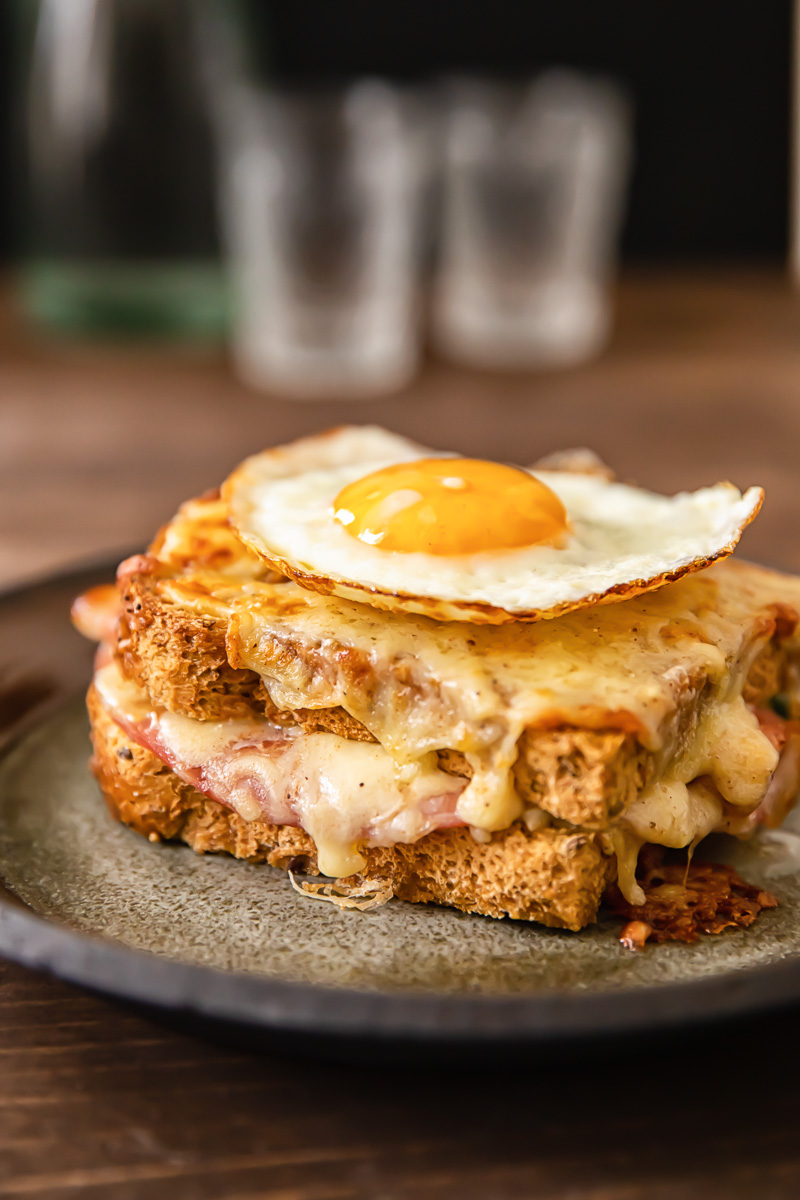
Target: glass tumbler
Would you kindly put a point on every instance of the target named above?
(321, 197)
(532, 198)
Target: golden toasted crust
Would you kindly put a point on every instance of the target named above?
(179, 657)
(584, 776)
(180, 660)
(552, 876)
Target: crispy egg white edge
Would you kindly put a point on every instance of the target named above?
(283, 507)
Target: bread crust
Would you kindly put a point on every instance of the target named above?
(554, 876)
(179, 658)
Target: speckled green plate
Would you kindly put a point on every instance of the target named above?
(94, 903)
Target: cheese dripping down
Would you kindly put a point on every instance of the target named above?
(420, 685)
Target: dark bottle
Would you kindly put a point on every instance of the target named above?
(120, 231)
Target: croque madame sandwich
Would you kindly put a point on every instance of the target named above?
(452, 681)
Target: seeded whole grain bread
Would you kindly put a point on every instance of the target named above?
(555, 876)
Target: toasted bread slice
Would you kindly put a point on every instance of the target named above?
(554, 876)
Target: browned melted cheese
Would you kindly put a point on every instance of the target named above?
(199, 540)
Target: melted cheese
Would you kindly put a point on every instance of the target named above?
(419, 685)
(348, 793)
(675, 814)
(200, 538)
(729, 749)
(120, 695)
(344, 794)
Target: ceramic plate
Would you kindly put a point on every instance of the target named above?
(94, 903)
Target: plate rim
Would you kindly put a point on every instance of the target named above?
(279, 1005)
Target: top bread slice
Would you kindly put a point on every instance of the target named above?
(187, 601)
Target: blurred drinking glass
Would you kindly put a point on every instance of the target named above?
(533, 190)
(321, 208)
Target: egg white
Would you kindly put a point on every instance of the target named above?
(623, 539)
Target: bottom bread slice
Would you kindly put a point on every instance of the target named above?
(554, 876)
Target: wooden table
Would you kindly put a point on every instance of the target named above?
(96, 448)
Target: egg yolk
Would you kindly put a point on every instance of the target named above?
(450, 506)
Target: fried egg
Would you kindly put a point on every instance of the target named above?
(365, 514)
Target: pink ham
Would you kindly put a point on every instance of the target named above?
(229, 776)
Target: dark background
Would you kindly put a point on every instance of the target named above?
(710, 81)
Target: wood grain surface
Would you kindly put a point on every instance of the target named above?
(97, 446)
